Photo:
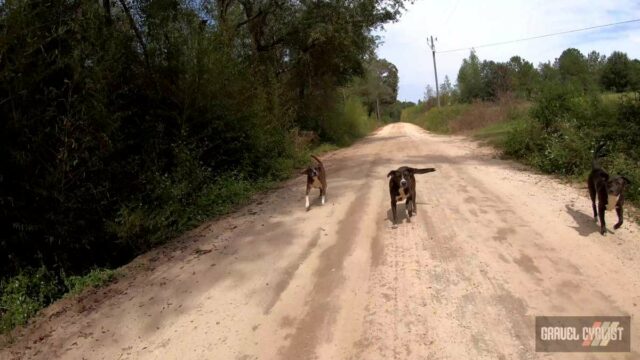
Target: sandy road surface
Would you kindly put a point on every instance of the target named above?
(490, 248)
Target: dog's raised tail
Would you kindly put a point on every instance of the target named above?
(424, 171)
(318, 160)
(597, 153)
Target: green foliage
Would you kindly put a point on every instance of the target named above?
(349, 121)
(22, 295)
(618, 73)
(94, 279)
(568, 117)
(501, 133)
(524, 77)
(470, 79)
(563, 128)
(553, 103)
(573, 68)
(126, 123)
(378, 89)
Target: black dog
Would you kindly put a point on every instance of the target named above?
(610, 192)
(402, 186)
(316, 178)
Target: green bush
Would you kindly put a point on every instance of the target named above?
(95, 278)
(347, 122)
(522, 139)
(22, 295)
(564, 126)
(553, 104)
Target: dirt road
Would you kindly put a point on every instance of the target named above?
(491, 248)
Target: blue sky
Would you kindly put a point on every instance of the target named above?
(466, 23)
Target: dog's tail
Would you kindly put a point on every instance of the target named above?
(423, 171)
(597, 153)
(318, 160)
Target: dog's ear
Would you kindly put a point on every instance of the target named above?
(626, 180)
(421, 171)
(391, 173)
(304, 172)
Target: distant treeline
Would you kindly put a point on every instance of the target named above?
(126, 122)
(488, 80)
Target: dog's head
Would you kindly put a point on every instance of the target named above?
(312, 171)
(403, 176)
(400, 177)
(616, 185)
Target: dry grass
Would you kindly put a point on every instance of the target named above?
(482, 114)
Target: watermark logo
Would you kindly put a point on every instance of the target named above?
(583, 333)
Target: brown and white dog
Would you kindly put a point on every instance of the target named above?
(609, 192)
(316, 178)
(402, 186)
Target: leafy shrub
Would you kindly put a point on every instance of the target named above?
(22, 295)
(563, 128)
(95, 278)
(553, 104)
(347, 122)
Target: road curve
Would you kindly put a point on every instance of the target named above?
(492, 246)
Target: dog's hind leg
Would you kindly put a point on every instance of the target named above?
(409, 206)
(592, 195)
(601, 210)
(620, 212)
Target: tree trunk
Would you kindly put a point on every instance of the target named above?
(135, 29)
(106, 4)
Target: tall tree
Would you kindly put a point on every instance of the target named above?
(617, 73)
(524, 76)
(470, 78)
(574, 68)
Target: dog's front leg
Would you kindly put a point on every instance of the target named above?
(620, 212)
(393, 210)
(307, 197)
(322, 195)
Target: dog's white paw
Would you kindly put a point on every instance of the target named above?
(323, 200)
(307, 203)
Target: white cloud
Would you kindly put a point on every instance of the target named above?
(464, 23)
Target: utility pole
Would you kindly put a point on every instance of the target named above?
(435, 69)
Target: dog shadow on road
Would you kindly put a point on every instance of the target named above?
(585, 223)
(401, 213)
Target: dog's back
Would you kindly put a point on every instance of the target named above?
(597, 172)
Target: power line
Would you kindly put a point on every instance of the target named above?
(539, 36)
(446, 22)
